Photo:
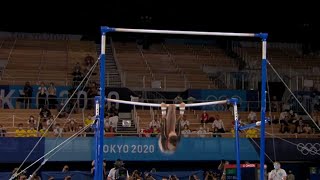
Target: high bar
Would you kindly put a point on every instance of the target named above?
(159, 105)
(105, 29)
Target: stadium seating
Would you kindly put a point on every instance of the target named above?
(176, 66)
(10, 118)
(283, 56)
(39, 60)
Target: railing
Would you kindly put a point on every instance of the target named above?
(67, 62)
(146, 62)
(152, 113)
(173, 60)
(9, 57)
(134, 115)
(7, 75)
(121, 73)
(82, 103)
(2, 43)
(13, 119)
(151, 95)
(136, 118)
(144, 82)
(124, 78)
(42, 62)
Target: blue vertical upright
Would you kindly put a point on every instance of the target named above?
(264, 77)
(100, 126)
(97, 135)
(234, 102)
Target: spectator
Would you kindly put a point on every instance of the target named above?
(173, 177)
(77, 67)
(191, 100)
(113, 110)
(209, 176)
(316, 106)
(104, 168)
(20, 132)
(45, 113)
(106, 124)
(222, 168)
(286, 107)
(148, 176)
(32, 132)
(136, 175)
(2, 131)
(71, 125)
(57, 130)
(274, 104)
(88, 121)
(145, 132)
(291, 176)
(201, 132)
(283, 115)
(27, 90)
(77, 77)
(92, 92)
(252, 133)
(80, 128)
(204, 117)
(252, 117)
(293, 117)
(109, 132)
(65, 169)
(42, 131)
(184, 121)
(89, 62)
(284, 125)
(178, 99)
(155, 131)
(31, 122)
(186, 131)
(154, 123)
(117, 166)
(64, 110)
(48, 123)
(218, 126)
(277, 172)
(34, 176)
(42, 95)
(52, 96)
(307, 129)
(113, 121)
(299, 126)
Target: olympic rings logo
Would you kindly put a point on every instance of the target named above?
(309, 148)
(221, 107)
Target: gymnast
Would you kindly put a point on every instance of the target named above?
(170, 128)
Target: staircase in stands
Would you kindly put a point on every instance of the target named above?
(112, 74)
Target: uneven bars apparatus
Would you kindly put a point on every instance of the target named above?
(100, 100)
